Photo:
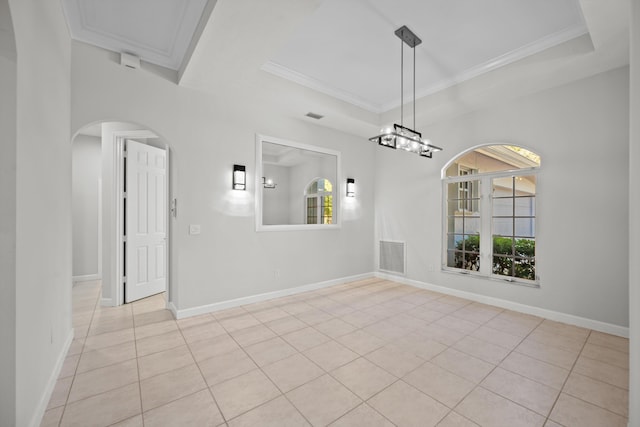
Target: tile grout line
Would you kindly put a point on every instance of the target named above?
(267, 376)
(66, 401)
(564, 383)
(224, 419)
(578, 398)
(135, 345)
(303, 355)
(386, 295)
(478, 385)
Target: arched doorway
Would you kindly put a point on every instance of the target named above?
(121, 221)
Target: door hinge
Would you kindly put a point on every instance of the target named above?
(124, 154)
(124, 279)
(124, 194)
(124, 239)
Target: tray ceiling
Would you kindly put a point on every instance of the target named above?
(347, 49)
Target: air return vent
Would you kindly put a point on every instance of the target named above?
(392, 257)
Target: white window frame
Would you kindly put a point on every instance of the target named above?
(468, 191)
(486, 225)
(337, 189)
(318, 195)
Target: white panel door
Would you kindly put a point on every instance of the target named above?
(145, 221)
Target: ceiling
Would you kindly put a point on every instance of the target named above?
(348, 49)
(157, 31)
(284, 155)
(341, 59)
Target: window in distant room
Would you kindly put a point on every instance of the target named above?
(319, 202)
(490, 215)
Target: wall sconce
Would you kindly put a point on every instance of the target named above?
(239, 177)
(268, 183)
(351, 187)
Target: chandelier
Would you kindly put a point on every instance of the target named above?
(401, 136)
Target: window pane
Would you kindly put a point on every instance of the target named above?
(455, 241)
(463, 260)
(312, 210)
(472, 225)
(525, 185)
(502, 265)
(327, 209)
(452, 194)
(452, 259)
(502, 186)
(502, 245)
(451, 221)
(463, 224)
(463, 196)
(525, 227)
(471, 243)
(525, 247)
(503, 226)
(525, 268)
(525, 206)
(472, 262)
(452, 208)
(503, 207)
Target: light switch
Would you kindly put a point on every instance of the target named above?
(194, 229)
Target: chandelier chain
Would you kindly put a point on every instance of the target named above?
(401, 82)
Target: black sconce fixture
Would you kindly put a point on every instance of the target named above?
(351, 187)
(239, 177)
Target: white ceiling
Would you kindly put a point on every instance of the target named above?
(340, 58)
(348, 49)
(284, 155)
(157, 31)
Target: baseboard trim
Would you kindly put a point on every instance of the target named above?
(583, 322)
(87, 278)
(223, 305)
(173, 309)
(51, 383)
(106, 302)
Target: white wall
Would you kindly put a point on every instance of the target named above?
(85, 180)
(43, 203)
(207, 135)
(634, 217)
(275, 201)
(7, 218)
(581, 132)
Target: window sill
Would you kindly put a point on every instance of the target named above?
(477, 275)
(297, 227)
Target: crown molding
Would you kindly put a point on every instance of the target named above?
(486, 67)
(317, 85)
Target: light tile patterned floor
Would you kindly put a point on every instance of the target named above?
(368, 353)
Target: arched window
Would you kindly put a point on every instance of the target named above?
(319, 202)
(489, 206)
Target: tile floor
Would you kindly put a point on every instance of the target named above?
(368, 353)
